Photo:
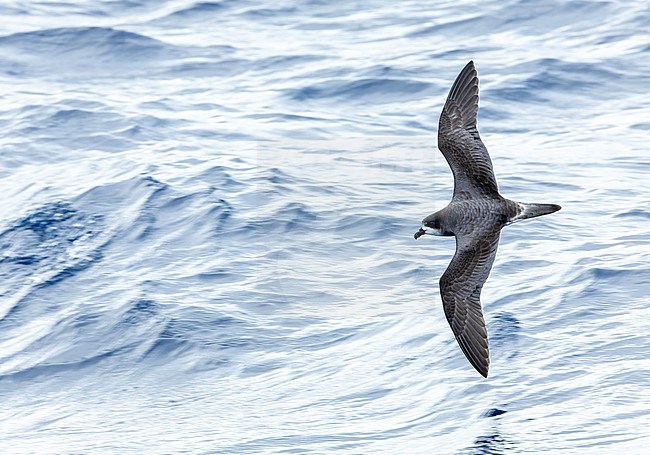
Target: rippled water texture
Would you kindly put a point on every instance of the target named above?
(207, 218)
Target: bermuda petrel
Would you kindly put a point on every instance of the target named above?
(475, 216)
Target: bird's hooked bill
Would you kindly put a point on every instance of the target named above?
(419, 233)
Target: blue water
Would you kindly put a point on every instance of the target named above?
(207, 218)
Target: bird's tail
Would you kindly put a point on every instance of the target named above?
(533, 210)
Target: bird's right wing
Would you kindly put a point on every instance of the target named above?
(460, 289)
(460, 143)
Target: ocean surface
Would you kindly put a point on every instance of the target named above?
(207, 217)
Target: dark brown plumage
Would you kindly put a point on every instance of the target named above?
(475, 216)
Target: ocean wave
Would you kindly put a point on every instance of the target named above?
(81, 41)
(376, 90)
(198, 11)
(89, 52)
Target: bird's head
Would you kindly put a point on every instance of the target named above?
(432, 225)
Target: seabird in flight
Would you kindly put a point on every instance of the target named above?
(475, 216)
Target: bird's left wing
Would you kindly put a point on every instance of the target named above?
(460, 288)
